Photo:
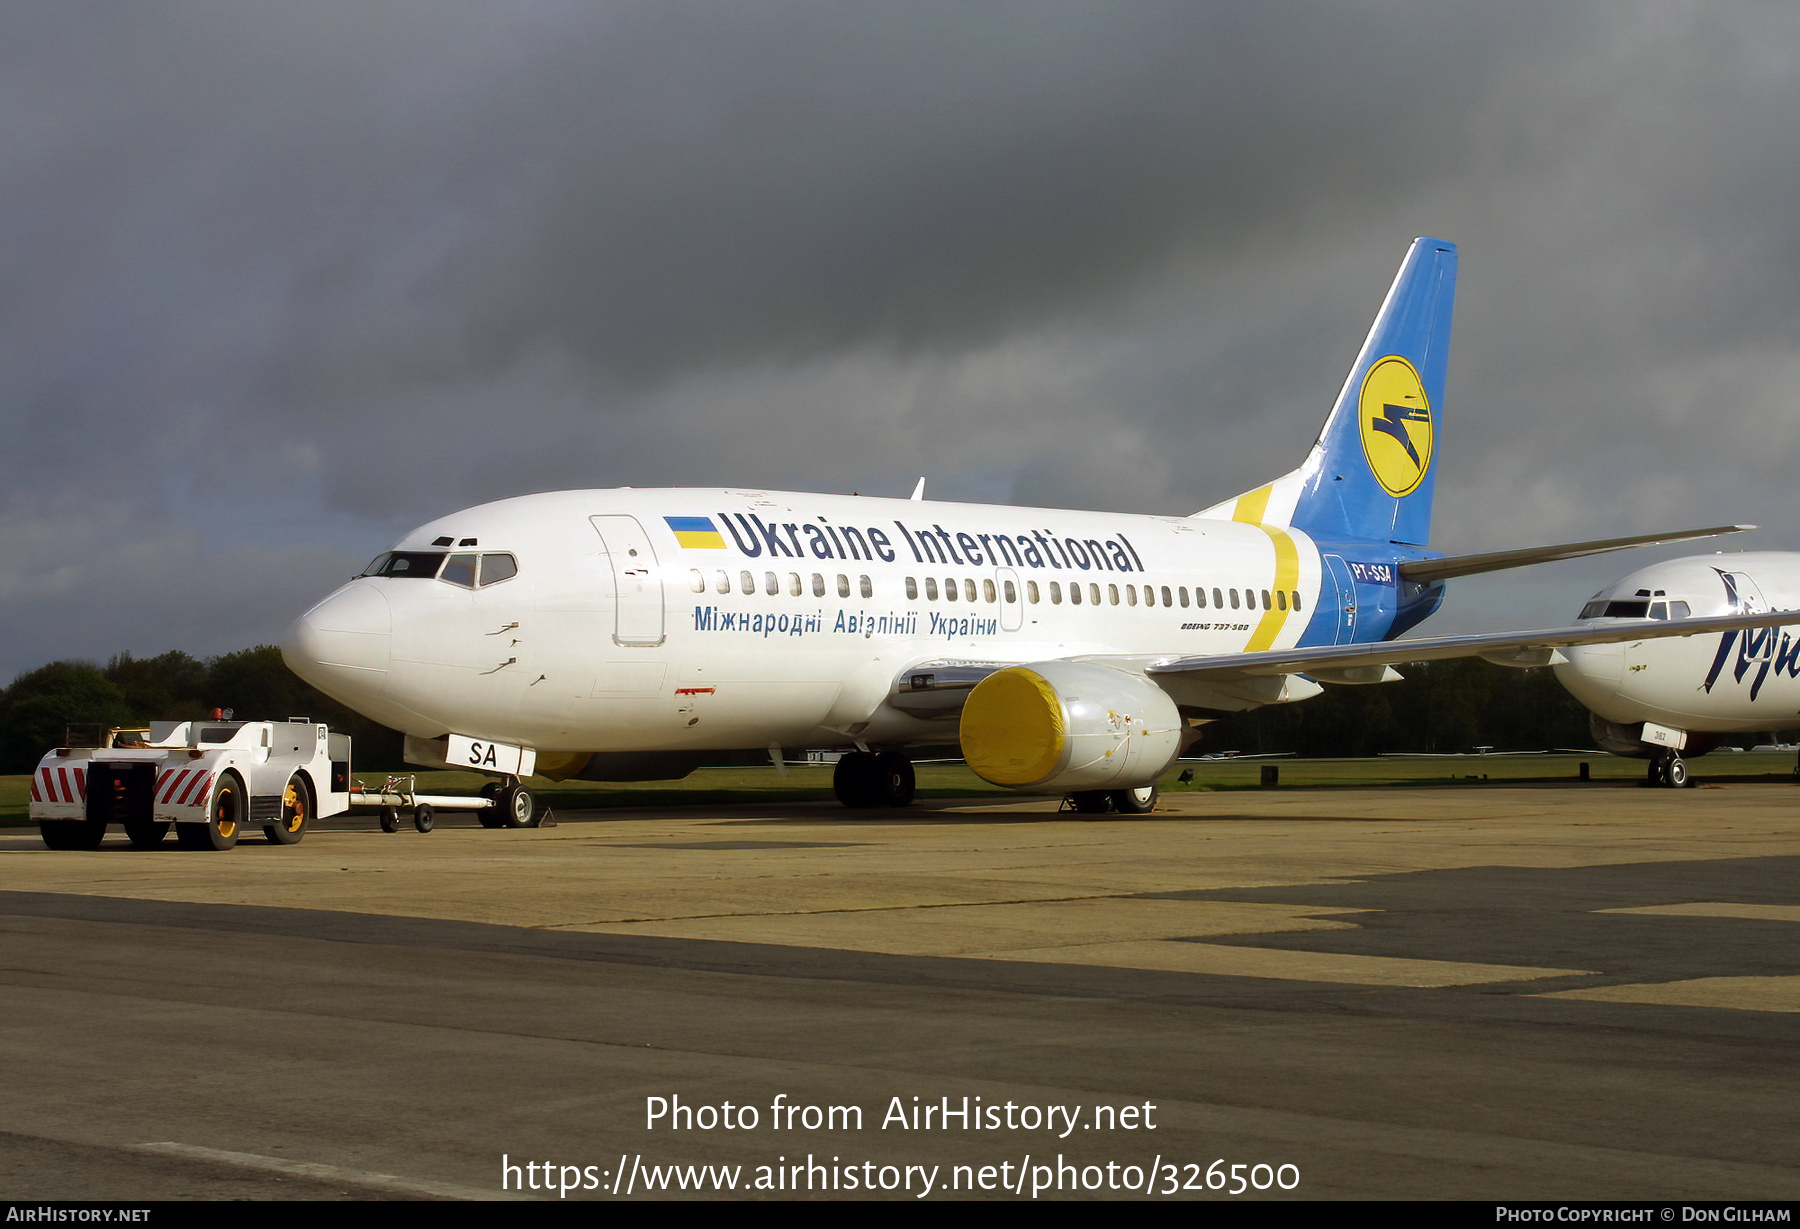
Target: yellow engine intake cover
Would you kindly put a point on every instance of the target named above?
(1012, 728)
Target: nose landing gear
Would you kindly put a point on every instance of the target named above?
(1667, 768)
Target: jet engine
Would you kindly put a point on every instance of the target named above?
(1064, 726)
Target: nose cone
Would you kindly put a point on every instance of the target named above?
(1593, 674)
(341, 646)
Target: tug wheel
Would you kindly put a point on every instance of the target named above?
(296, 812)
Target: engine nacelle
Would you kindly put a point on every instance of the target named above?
(1062, 726)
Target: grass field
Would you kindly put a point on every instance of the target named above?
(812, 783)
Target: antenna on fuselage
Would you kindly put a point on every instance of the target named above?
(919, 491)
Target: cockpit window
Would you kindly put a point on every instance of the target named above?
(1600, 608)
(408, 564)
(496, 568)
(460, 571)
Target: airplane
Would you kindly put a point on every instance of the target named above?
(1660, 699)
(628, 634)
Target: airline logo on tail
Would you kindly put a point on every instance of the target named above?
(1396, 425)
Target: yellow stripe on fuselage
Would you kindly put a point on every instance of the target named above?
(1250, 509)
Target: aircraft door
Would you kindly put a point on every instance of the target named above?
(1012, 601)
(1339, 572)
(637, 580)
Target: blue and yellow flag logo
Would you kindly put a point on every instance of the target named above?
(696, 532)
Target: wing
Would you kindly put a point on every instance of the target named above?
(1369, 663)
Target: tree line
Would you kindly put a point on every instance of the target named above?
(39, 706)
(1441, 706)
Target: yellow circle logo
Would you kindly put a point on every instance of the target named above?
(1396, 425)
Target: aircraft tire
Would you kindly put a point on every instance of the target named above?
(423, 819)
(1092, 802)
(895, 779)
(296, 813)
(1135, 801)
(146, 833)
(390, 819)
(491, 817)
(224, 818)
(1654, 776)
(1676, 774)
(857, 781)
(71, 834)
(516, 807)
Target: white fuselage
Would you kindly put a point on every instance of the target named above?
(787, 620)
(1734, 682)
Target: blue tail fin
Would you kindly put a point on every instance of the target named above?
(1370, 475)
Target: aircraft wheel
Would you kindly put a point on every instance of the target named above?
(895, 779)
(146, 833)
(423, 819)
(492, 816)
(516, 807)
(1676, 774)
(1135, 801)
(224, 818)
(296, 812)
(1653, 775)
(390, 819)
(857, 781)
(71, 833)
(1092, 802)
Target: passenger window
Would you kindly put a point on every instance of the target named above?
(1234, 599)
(746, 582)
(987, 590)
(1112, 593)
(843, 585)
(1219, 599)
(1200, 597)
(1055, 593)
(1166, 600)
(1094, 593)
(1184, 599)
(496, 568)
(1012, 593)
(1281, 598)
(1131, 595)
(722, 582)
(794, 587)
(818, 585)
(1031, 592)
(771, 584)
(460, 570)
(1266, 605)
(949, 589)
(1296, 599)
(867, 588)
(931, 588)
(697, 580)
(1074, 595)
(1149, 595)
(912, 589)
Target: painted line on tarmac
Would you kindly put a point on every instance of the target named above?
(331, 1173)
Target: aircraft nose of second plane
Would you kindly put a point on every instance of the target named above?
(342, 646)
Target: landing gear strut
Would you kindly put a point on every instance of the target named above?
(865, 779)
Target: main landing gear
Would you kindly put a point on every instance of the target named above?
(869, 779)
(1122, 801)
(1668, 769)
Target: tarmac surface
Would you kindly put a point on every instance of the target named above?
(1581, 991)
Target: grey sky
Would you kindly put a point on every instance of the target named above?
(278, 282)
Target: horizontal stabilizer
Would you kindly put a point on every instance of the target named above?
(1426, 570)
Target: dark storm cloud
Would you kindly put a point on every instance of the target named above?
(277, 281)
